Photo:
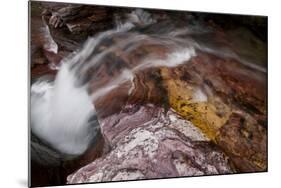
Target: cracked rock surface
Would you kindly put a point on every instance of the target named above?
(148, 143)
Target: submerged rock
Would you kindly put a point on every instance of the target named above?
(209, 92)
(202, 87)
(173, 98)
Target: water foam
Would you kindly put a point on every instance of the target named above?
(60, 112)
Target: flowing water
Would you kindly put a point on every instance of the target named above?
(62, 110)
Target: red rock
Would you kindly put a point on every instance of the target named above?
(245, 142)
(143, 137)
(146, 143)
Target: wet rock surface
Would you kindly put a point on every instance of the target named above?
(147, 143)
(245, 141)
(50, 167)
(173, 98)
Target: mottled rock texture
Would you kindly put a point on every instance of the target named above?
(245, 141)
(148, 143)
(161, 114)
(206, 90)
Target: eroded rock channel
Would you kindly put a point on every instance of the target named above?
(125, 94)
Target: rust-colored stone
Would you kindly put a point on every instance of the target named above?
(245, 142)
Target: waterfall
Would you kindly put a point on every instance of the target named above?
(61, 110)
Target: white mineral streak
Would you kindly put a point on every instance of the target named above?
(139, 137)
(186, 127)
(148, 144)
(125, 175)
(186, 170)
(96, 177)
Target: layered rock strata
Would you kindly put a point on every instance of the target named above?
(147, 142)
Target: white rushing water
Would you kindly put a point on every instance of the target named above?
(61, 110)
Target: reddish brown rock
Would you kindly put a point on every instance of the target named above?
(233, 92)
(205, 90)
(160, 117)
(245, 142)
(44, 50)
(148, 143)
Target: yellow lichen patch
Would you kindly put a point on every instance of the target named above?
(260, 162)
(208, 113)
